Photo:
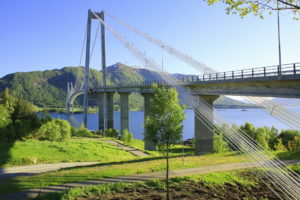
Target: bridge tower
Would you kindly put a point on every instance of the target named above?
(105, 100)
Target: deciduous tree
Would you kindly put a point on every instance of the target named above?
(164, 123)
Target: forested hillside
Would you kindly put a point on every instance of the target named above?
(48, 88)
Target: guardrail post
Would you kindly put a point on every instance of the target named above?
(224, 75)
(209, 77)
(294, 67)
(252, 73)
(242, 73)
(264, 71)
(232, 74)
(216, 76)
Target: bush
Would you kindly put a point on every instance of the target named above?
(294, 145)
(288, 135)
(127, 137)
(55, 130)
(111, 132)
(220, 145)
(82, 132)
(279, 146)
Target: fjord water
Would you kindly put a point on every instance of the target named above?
(238, 116)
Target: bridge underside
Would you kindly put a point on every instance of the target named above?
(286, 87)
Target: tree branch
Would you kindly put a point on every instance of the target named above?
(289, 4)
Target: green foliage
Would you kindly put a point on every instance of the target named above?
(127, 137)
(4, 117)
(55, 130)
(279, 146)
(249, 129)
(288, 135)
(164, 123)
(81, 132)
(262, 137)
(111, 132)
(17, 118)
(220, 145)
(294, 145)
(258, 7)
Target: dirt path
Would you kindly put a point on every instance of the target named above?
(41, 168)
(135, 152)
(33, 193)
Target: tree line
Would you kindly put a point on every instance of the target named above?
(269, 138)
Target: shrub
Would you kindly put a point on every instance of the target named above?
(279, 146)
(82, 132)
(55, 130)
(288, 135)
(111, 132)
(220, 145)
(127, 137)
(294, 145)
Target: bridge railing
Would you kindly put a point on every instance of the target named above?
(287, 69)
(283, 70)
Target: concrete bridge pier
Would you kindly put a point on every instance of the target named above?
(110, 109)
(106, 114)
(204, 136)
(124, 114)
(150, 146)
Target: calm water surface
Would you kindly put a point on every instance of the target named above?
(255, 116)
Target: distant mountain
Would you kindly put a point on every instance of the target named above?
(48, 88)
(287, 102)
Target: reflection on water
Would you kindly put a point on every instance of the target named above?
(136, 120)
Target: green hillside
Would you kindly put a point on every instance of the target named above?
(48, 88)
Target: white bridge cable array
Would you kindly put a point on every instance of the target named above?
(78, 86)
(291, 119)
(284, 181)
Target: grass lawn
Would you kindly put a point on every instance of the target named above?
(177, 150)
(183, 186)
(72, 150)
(115, 162)
(111, 170)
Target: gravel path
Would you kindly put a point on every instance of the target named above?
(135, 152)
(41, 168)
(33, 193)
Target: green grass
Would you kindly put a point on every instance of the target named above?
(111, 170)
(209, 180)
(114, 162)
(72, 150)
(176, 150)
(287, 155)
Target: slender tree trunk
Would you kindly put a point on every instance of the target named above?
(167, 175)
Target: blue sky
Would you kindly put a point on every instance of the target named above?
(48, 34)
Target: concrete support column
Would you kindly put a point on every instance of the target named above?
(204, 136)
(100, 101)
(124, 114)
(106, 114)
(110, 109)
(147, 97)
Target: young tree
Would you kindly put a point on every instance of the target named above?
(163, 126)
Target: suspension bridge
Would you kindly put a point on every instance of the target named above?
(199, 92)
